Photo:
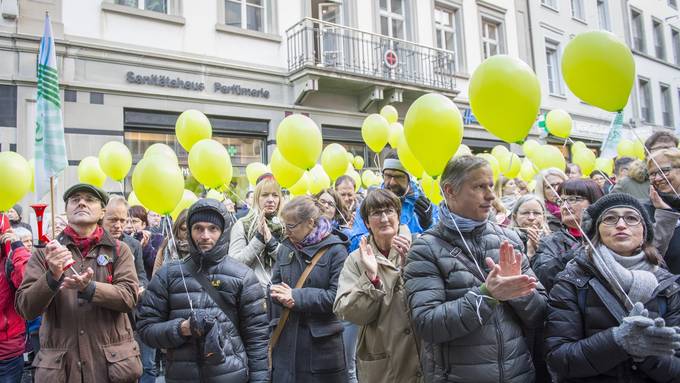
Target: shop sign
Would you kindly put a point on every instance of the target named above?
(198, 86)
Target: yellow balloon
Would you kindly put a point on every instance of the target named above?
(210, 163)
(585, 159)
(375, 131)
(334, 160)
(505, 96)
(133, 200)
(599, 69)
(192, 126)
(410, 162)
(559, 123)
(493, 164)
(500, 151)
(433, 129)
(355, 176)
(254, 170)
(350, 157)
(396, 134)
(626, 148)
(158, 185)
(16, 179)
(115, 160)
(358, 162)
(188, 199)
(510, 165)
(605, 165)
(162, 150)
(390, 113)
(527, 172)
(301, 186)
(214, 194)
(285, 173)
(368, 178)
(548, 156)
(529, 147)
(318, 179)
(578, 145)
(431, 188)
(31, 163)
(299, 140)
(463, 150)
(639, 149)
(90, 172)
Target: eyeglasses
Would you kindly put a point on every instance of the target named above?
(326, 203)
(389, 212)
(570, 200)
(530, 213)
(87, 198)
(397, 176)
(290, 227)
(664, 170)
(629, 219)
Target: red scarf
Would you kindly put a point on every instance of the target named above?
(574, 231)
(84, 244)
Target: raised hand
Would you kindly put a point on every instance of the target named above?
(505, 288)
(401, 245)
(510, 261)
(367, 259)
(78, 282)
(656, 199)
(57, 256)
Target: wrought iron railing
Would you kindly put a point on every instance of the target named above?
(319, 44)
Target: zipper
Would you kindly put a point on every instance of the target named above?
(499, 337)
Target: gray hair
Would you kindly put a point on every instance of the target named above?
(117, 200)
(525, 199)
(540, 177)
(457, 170)
(22, 232)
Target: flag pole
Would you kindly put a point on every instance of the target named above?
(52, 205)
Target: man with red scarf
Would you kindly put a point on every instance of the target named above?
(85, 335)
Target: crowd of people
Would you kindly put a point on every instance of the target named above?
(575, 281)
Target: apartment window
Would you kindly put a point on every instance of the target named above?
(492, 37)
(638, 29)
(675, 41)
(577, 10)
(149, 5)
(446, 30)
(673, 3)
(550, 3)
(392, 18)
(659, 42)
(70, 95)
(666, 105)
(603, 14)
(646, 111)
(246, 14)
(552, 64)
(96, 98)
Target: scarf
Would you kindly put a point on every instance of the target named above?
(574, 231)
(450, 220)
(634, 274)
(321, 230)
(250, 225)
(553, 209)
(84, 244)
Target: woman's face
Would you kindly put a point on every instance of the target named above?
(622, 230)
(572, 207)
(229, 204)
(510, 188)
(522, 188)
(657, 173)
(551, 182)
(138, 224)
(530, 215)
(297, 229)
(269, 201)
(328, 204)
(599, 180)
(383, 223)
(183, 233)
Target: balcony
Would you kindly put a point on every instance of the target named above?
(350, 57)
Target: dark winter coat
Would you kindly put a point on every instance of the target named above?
(553, 253)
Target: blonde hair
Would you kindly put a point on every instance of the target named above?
(267, 184)
(540, 177)
(673, 155)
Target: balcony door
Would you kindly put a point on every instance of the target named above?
(331, 35)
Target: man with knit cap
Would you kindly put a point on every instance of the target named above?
(207, 340)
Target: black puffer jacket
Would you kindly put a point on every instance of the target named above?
(467, 339)
(580, 344)
(552, 255)
(165, 306)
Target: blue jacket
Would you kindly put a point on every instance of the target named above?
(408, 217)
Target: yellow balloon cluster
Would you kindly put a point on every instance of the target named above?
(285, 173)
(318, 179)
(164, 150)
(210, 163)
(431, 188)
(530, 147)
(16, 179)
(358, 162)
(301, 186)
(585, 159)
(548, 156)
(299, 140)
(192, 126)
(158, 185)
(390, 113)
(493, 164)
(254, 171)
(527, 172)
(90, 172)
(369, 178)
(115, 160)
(396, 134)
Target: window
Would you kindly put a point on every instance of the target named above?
(446, 21)
(8, 100)
(659, 42)
(246, 14)
(550, 3)
(646, 112)
(149, 5)
(70, 95)
(675, 42)
(577, 10)
(666, 105)
(492, 37)
(392, 19)
(96, 98)
(603, 14)
(638, 30)
(673, 3)
(552, 64)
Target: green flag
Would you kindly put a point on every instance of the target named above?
(50, 148)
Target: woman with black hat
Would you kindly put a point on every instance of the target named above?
(613, 312)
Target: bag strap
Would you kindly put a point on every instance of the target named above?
(286, 311)
(462, 256)
(610, 302)
(208, 287)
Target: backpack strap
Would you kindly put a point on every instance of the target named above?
(662, 304)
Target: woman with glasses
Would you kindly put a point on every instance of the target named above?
(558, 248)
(664, 174)
(307, 341)
(602, 180)
(613, 313)
(334, 209)
(371, 294)
(528, 220)
(548, 182)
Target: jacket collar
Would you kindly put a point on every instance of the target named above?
(107, 240)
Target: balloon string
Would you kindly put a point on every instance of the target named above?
(175, 254)
(609, 181)
(649, 155)
(122, 188)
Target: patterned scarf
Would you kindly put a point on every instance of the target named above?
(321, 230)
(553, 209)
(250, 222)
(84, 244)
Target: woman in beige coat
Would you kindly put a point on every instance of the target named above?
(371, 294)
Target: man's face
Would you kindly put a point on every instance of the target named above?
(623, 172)
(249, 199)
(83, 209)
(12, 215)
(205, 235)
(474, 198)
(396, 181)
(115, 218)
(27, 241)
(153, 218)
(346, 191)
(661, 173)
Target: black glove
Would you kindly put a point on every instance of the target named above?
(200, 323)
(423, 209)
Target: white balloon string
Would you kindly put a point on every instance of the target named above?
(649, 155)
(173, 250)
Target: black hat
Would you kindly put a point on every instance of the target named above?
(18, 209)
(206, 215)
(591, 217)
(95, 191)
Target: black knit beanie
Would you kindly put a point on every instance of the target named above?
(591, 217)
(18, 209)
(207, 215)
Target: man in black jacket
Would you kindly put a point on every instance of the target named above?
(205, 342)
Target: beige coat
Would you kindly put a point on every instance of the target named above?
(387, 348)
(81, 340)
